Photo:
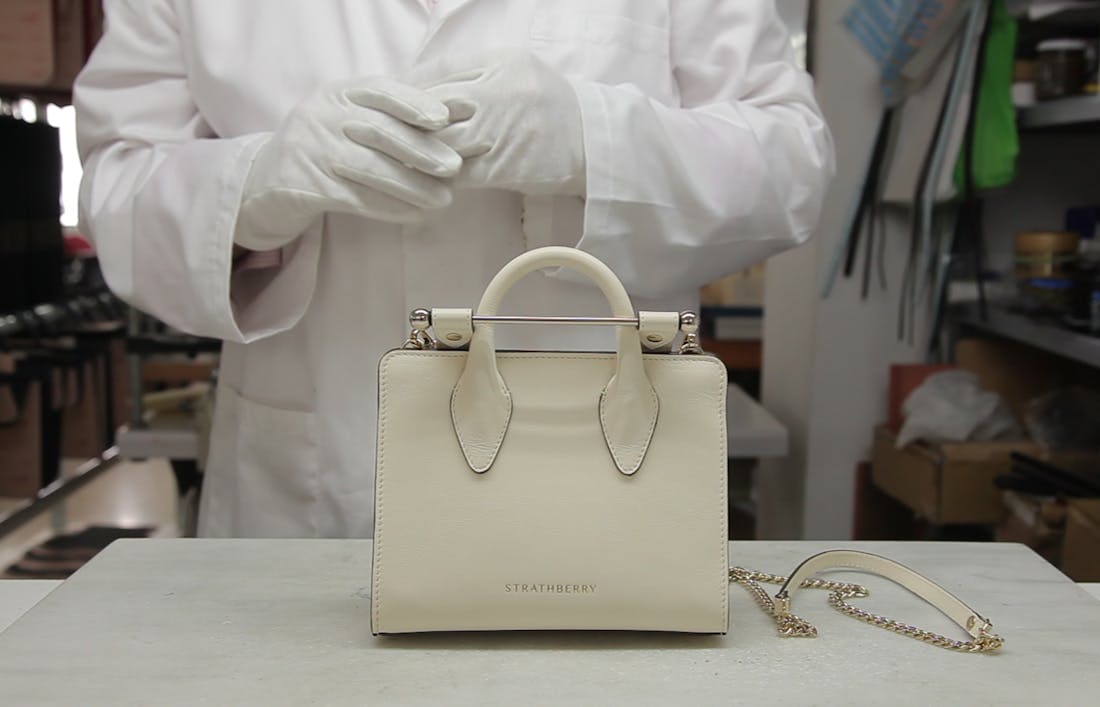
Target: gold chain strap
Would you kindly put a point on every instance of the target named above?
(793, 626)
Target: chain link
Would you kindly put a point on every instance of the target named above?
(793, 626)
(419, 341)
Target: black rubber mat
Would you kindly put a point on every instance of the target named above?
(59, 557)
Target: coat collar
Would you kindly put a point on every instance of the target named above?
(445, 11)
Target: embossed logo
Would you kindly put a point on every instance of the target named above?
(549, 588)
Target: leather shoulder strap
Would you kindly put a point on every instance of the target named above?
(954, 608)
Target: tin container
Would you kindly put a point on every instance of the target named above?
(1062, 68)
(1045, 253)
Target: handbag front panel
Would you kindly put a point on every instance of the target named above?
(553, 536)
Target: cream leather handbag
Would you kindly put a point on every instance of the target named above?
(574, 490)
(550, 490)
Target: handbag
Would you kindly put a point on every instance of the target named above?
(548, 489)
(534, 490)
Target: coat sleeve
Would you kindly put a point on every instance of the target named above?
(678, 196)
(160, 192)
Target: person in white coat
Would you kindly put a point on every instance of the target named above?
(294, 177)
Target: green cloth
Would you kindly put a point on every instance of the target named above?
(996, 140)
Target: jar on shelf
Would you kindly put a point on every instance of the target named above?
(1045, 253)
(1062, 68)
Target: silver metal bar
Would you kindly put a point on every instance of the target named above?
(583, 321)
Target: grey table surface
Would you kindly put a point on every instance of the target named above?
(19, 595)
(276, 622)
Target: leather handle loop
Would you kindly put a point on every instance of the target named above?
(453, 327)
(553, 257)
(481, 404)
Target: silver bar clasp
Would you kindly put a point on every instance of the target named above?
(583, 321)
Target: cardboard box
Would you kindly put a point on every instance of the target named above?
(1039, 523)
(1081, 549)
(1016, 372)
(945, 483)
(878, 516)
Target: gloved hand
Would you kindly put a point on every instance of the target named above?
(361, 147)
(515, 121)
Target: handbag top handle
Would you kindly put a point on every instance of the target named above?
(481, 405)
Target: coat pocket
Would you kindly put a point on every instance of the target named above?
(263, 474)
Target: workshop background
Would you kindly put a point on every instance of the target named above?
(927, 367)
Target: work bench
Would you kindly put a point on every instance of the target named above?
(287, 622)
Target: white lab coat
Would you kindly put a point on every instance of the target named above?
(705, 154)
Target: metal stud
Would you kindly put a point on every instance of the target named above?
(420, 319)
(689, 324)
(419, 338)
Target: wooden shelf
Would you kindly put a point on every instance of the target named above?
(737, 355)
(1087, 14)
(160, 369)
(1033, 332)
(1065, 112)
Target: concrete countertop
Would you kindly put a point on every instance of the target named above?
(286, 622)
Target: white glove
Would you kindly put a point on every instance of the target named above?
(515, 121)
(360, 147)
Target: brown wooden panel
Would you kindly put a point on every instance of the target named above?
(737, 355)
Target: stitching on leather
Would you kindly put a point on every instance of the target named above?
(379, 488)
(914, 582)
(722, 463)
(635, 462)
(665, 359)
(652, 424)
(503, 429)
